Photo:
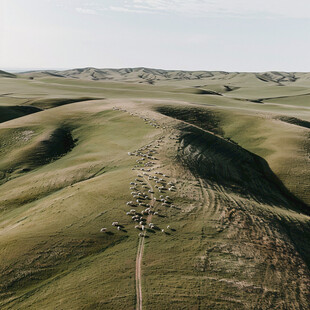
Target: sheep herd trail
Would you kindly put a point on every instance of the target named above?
(140, 255)
(143, 170)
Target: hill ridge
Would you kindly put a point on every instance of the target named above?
(152, 74)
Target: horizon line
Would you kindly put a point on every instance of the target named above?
(25, 70)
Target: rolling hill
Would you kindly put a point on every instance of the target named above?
(226, 155)
(152, 75)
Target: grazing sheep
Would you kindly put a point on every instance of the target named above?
(118, 228)
(103, 229)
(163, 230)
(115, 224)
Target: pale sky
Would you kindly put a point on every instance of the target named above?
(230, 35)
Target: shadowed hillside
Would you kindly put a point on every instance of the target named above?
(48, 103)
(31, 150)
(7, 74)
(294, 121)
(10, 112)
(234, 166)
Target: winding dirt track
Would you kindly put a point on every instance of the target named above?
(140, 255)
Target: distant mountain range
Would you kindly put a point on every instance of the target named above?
(150, 76)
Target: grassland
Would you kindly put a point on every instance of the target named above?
(237, 147)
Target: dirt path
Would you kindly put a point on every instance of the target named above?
(138, 274)
(140, 255)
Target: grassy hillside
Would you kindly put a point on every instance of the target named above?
(6, 74)
(236, 227)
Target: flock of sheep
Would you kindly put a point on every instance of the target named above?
(142, 191)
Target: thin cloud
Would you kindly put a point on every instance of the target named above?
(240, 8)
(126, 9)
(204, 8)
(86, 11)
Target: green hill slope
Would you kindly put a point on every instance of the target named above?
(233, 232)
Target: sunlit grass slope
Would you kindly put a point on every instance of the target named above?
(235, 144)
(51, 212)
